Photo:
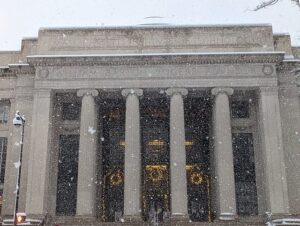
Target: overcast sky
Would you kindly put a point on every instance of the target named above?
(23, 18)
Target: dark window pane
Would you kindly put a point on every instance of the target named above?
(3, 146)
(240, 109)
(70, 111)
(197, 120)
(244, 172)
(155, 142)
(113, 144)
(67, 175)
(3, 113)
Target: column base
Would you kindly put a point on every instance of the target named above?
(283, 219)
(133, 218)
(227, 217)
(179, 218)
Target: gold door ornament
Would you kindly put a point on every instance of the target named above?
(196, 178)
(156, 173)
(116, 178)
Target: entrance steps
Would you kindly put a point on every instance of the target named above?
(67, 221)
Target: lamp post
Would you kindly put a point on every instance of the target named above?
(19, 121)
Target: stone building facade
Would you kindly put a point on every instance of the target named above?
(158, 124)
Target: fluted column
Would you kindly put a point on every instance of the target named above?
(132, 180)
(177, 154)
(223, 155)
(272, 151)
(86, 188)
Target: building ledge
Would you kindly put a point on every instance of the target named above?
(156, 59)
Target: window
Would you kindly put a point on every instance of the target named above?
(3, 113)
(240, 109)
(70, 111)
(3, 146)
(244, 174)
(67, 175)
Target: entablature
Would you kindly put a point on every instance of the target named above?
(156, 59)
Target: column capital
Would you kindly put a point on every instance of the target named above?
(215, 91)
(87, 92)
(172, 91)
(137, 92)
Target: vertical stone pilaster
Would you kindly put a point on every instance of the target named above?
(86, 187)
(12, 156)
(272, 150)
(38, 170)
(223, 155)
(290, 121)
(179, 209)
(132, 178)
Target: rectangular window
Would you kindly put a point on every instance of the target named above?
(3, 147)
(244, 174)
(240, 109)
(70, 111)
(66, 196)
(3, 113)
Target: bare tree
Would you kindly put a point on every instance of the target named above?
(267, 3)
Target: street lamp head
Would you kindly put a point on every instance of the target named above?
(20, 218)
(18, 119)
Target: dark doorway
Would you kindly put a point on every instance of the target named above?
(155, 143)
(113, 146)
(197, 127)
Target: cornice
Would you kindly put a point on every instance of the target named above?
(21, 69)
(156, 59)
(6, 72)
(288, 65)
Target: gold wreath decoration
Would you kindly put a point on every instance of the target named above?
(196, 178)
(156, 175)
(116, 178)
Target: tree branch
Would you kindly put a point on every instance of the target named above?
(265, 4)
(297, 2)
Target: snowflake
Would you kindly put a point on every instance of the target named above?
(17, 164)
(91, 130)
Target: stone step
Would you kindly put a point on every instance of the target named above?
(66, 221)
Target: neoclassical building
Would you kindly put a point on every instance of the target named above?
(152, 125)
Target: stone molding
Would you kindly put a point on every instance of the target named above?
(6, 72)
(21, 69)
(17, 69)
(271, 89)
(156, 59)
(137, 92)
(268, 69)
(217, 90)
(181, 91)
(44, 93)
(288, 65)
(87, 92)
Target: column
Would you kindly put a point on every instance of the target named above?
(223, 155)
(178, 155)
(132, 180)
(38, 169)
(86, 188)
(272, 151)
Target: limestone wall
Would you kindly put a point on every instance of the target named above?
(161, 39)
(282, 42)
